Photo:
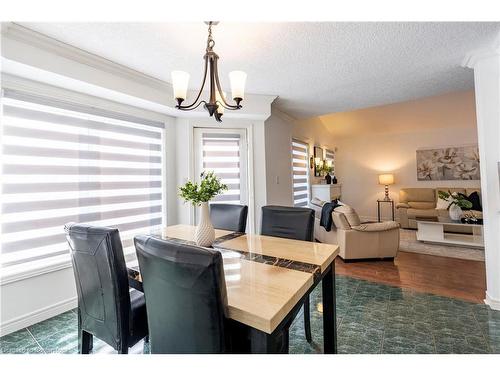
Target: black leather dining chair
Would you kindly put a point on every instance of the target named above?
(296, 223)
(106, 308)
(185, 294)
(231, 217)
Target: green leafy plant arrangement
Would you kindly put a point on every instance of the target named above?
(209, 187)
(455, 198)
(325, 169)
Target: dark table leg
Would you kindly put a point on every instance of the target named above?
(329, 313)
(263, 343)
(378, 211)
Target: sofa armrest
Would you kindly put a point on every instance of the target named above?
(402, 205)
(377, 227)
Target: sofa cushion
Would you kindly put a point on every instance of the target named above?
(317, 202)
(317, 210)
(422, 205)
(417, 195)
(340, 221)
(349, 213)
(377, 227)
(414, 213)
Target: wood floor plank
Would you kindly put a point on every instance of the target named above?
(450, 277)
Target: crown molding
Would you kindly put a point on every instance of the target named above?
(282, 115)
(473, 57)
(25, 35)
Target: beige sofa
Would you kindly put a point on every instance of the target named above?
(358, 240)
(420, 204)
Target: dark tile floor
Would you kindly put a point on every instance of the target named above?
(372, 318)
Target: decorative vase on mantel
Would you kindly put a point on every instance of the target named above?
(328, 178)
(204, 234)
(455, 212)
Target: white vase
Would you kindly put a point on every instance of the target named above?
(205, 232)
(455, 212)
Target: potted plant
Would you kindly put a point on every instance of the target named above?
(457, 202)
(199, 195)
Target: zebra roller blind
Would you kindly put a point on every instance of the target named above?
(221, 154)
(63, 163)
(330, 155)
(300, 173)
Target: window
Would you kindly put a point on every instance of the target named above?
(64, 162)
(224, 151)
(300, 173)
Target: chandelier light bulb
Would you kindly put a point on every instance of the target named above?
(180, 82)
(238, 80)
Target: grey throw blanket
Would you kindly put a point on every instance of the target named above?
(326, 220)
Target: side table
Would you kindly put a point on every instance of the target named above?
(384, 201)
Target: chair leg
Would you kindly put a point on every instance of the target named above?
(307, 319)
(85, 339)
(84, 342)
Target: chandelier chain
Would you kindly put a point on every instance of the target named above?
(210, 40)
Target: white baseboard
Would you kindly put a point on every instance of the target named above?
(492, 302)
(37, 316)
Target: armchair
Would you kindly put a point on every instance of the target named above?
(360, 240)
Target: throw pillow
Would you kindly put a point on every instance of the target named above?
(317, 202)
(442, 204)
(475, 200)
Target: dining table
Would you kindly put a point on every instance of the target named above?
(267, 281)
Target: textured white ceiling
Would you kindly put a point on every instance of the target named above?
(315, 68)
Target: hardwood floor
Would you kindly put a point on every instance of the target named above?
(450, 277)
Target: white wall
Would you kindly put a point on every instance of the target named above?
(278, 140)
(486, 65)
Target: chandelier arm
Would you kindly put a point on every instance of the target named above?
(190, 108)
(232, 108)
(192, 105)
(226, 104)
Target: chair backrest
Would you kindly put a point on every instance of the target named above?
(288, 222)
(231, 217)
(185, 293)
(101, 281)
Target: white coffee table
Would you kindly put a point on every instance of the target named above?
(433, 232)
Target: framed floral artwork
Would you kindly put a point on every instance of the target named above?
(448, 163)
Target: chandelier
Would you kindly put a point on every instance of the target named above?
(217, 101)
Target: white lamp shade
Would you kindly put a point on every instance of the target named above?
(238, 80)
(180, 82)
(220, 108)
(385, 179)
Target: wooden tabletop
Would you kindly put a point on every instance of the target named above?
(265, 276)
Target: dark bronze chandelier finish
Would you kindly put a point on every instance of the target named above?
(216, 94)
